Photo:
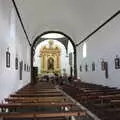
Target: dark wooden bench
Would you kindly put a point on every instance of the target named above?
(36, 99)
(39, 114)
(37, 95)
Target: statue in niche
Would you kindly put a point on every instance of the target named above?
(50, 64)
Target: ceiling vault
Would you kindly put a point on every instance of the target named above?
(79, 19)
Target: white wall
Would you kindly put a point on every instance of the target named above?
(64, 61)
(12, 37)
(103, 44)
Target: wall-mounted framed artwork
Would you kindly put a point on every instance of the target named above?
(16, 63)
(27, 68)
(7, 58)
(80, 68)
(21, 69)
(93, 66)
(117, 62)
(106, 69)
(86, 67)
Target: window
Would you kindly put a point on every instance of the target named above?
(84, 50)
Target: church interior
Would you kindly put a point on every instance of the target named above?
(59, 60)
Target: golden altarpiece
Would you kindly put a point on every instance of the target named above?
(50, 58)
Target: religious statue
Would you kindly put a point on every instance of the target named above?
(50, 64)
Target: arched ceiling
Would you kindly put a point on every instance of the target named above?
(76, 18)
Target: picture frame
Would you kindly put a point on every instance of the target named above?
(27, 68)
(86, 67)
(21, 69)
(16, 63)
(80, 68)
(8, 59)
(93, 66)
(106, 69)
(117, 62)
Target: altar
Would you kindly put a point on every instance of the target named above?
(50, 58)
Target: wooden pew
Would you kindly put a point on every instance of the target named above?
(15, 106)
(34, 92)
(99, 90)
(35, 95)
(110, 98)
(35, 99)
(102, 96)
(29, 98)
(22, 105)
(115, 101)
(43, 115)
(40, 89)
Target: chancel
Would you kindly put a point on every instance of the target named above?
(59, 59)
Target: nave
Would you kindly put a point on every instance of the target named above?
(60, 38)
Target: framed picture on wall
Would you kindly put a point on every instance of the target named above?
(86, 67)
(117, 62)
(16, 63)
(93, 66)
(21, 69)
(26, 67)
(80, 68)
(7, 58)
(106, 69)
